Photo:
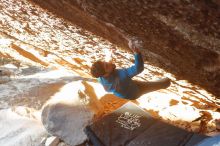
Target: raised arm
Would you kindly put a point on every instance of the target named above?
(138, 66)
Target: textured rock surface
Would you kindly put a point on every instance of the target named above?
(65, 116)
(181, 36)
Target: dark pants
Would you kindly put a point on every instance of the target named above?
(146, 87)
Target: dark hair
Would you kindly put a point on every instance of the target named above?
(97, 69)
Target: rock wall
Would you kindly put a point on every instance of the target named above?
(180, 36)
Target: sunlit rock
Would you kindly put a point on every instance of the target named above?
(181, 37)
(70, 110)
(180, 113)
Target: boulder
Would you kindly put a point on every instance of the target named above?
(70, 110)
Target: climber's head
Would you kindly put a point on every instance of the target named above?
(102, 68)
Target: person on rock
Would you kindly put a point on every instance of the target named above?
(119, 81)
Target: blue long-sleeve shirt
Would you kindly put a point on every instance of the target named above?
(120, 81)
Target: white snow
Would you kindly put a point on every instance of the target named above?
(18, 130)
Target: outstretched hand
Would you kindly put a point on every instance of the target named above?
(136, 50)
(132, 46)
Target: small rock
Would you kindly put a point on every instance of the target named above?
(4, 79)
(52, 141)
(5, 73)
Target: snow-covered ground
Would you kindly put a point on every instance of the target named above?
(21, 126)
(20, 114)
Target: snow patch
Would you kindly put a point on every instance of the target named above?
(18, 129)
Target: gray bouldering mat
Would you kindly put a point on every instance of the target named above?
(131, 126)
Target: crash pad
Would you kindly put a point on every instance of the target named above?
(130, 125)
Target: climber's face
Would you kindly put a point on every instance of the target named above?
(109, 68)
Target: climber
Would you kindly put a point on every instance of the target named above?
(119, 81)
